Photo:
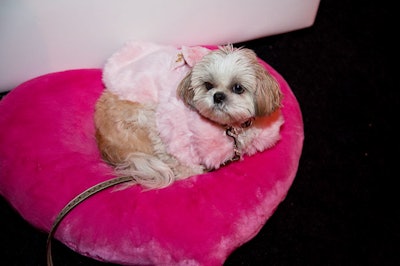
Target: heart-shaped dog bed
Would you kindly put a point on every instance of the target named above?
(48, 155)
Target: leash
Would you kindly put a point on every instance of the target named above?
(230, 131)
(74, 202)
(233, 133)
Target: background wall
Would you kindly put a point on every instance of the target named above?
(38, 37)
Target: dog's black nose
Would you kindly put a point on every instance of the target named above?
(219, 97)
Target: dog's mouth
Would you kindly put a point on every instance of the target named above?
(219, 110)
(220, 114)
(215, 114)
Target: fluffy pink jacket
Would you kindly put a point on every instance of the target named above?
(48, 155)
(150, 73)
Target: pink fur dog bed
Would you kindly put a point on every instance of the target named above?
(48, 155)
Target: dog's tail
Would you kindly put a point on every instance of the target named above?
(146, 170)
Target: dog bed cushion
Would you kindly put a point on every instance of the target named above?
(48, 155)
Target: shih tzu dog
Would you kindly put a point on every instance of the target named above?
(200, 115)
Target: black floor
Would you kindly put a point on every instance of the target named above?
(342, 208)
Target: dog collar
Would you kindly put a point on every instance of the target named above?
(233, 132)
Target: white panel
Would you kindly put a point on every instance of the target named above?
(43, 36)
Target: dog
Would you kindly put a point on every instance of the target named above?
(226, 106)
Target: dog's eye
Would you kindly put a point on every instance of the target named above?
(208, 85)
(237, 88)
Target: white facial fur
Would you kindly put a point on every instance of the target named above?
(224, 85)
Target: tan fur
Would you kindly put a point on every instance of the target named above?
(269, 94)
(127, 139)
(122, 131)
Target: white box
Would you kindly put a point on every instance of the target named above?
(42, 36)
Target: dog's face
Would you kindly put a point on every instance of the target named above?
(229, 86)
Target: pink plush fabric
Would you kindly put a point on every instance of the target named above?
(48, 155)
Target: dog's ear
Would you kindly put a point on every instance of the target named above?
(268, 94)
(185, 91)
